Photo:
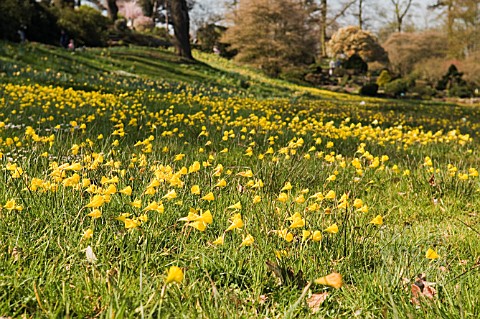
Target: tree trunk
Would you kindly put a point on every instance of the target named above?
(323, 28)
(181, 28)
(360, 14)
(112, 9)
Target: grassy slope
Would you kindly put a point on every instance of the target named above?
(373, 261)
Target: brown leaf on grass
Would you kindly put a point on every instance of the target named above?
(431, 181)
(422, 290)
(316, 300)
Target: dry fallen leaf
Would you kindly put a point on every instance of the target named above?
(422, 288)
(431, 181)
(316, 300)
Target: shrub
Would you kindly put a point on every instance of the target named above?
(86, 25)
(451, 78)
(356, 63)
(462, 91)
(423, 91)
(143, 24)
(369, 89)
(209, 36)
(384, 78)
(397, 87)
(294, 75)
(14, 15)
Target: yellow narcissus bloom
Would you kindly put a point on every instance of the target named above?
(195, 190)
(363, 209)
(219, 241)
(317, 235)
(126, 191)
(318, 196)
(199, 225)
(12, 205)
(179, 157)
(473, 172)
(247, 240)
(287, 187)
(297, 221)
(306, 234)
(170, 195)
(195, 167)
(198, 221)
(175, 274)
(331, 178)
(111, 189)
(330, 195)
(96, 201)
(88, 234)
(150, 191)
(136, 203)
(282, 197)
(96, 213)
(106, 180)
(342, 205)
(300, 199)
(122, 217)
(257, 199)
(237, 222)
(131, 223)
(377, 220)
(285, 234)
(357, 203)
(237, 205)
(247, 173)
(158, 207)
(333, 280)
(208, 197)
(431, 254)
(221, 183)
(332, 229)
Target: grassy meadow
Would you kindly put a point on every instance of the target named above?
(136, 185)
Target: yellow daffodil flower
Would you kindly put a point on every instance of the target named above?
(333, 280)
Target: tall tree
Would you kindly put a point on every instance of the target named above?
(326, 22)
(400, 10)
(461, 23)
(112, 9)
(181, 28)
(408, 49)
(272, 34)
(360, 13)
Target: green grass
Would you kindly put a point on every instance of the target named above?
(149, 106)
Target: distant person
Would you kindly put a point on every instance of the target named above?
(21, 34)
(71, 45)
(63, 39)
(332, 66)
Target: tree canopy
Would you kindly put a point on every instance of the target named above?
(272, 34)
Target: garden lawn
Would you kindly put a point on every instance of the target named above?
(206, 190)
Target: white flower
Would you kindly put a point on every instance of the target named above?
(91, 258)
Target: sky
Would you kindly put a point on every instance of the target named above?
(420, 16)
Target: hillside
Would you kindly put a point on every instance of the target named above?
(135, 184)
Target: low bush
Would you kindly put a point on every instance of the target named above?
(396, 88)
(86, 25)
(369, 89)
